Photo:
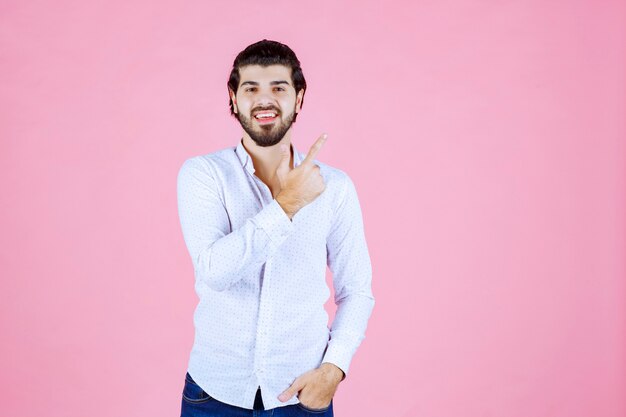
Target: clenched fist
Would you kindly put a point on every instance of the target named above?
(301, 185)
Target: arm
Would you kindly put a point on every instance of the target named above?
(349, 262)
(221, 257)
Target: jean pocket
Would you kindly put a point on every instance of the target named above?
(314, 410)
(193, 393)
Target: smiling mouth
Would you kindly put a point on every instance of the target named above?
(265, 117)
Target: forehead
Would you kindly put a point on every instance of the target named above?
(263, 74)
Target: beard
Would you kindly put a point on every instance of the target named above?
(269, 134)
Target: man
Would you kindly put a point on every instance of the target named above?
(261, 222)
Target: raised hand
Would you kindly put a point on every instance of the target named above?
(301, 185)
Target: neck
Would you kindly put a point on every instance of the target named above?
(266, 158)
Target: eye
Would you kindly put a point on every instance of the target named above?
(280, 89)
(249, 89)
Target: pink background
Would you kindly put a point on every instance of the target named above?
(487, 143)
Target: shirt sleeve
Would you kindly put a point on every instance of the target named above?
(349, 261)
(222, 257)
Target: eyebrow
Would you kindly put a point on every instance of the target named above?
(271, 83)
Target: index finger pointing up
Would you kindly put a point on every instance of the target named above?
(315, 148)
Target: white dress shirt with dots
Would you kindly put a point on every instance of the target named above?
(260, 277)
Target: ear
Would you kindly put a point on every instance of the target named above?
(299, 97)
(233, 99)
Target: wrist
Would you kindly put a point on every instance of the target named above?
(333, 370)
(287, 204)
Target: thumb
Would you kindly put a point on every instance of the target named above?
(283, 166)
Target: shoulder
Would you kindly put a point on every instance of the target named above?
(209, 163)
(339, 184)
(332, 175)
(338, 177)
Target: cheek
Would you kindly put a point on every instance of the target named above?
(288, 104)
(243, 107)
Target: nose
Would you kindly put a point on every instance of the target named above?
(265, 99)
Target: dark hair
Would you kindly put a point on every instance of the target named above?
(266, 53)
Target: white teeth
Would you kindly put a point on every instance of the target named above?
(265, 115)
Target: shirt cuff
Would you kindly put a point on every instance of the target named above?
(338, 356)
(275, 222)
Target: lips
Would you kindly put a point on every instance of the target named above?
(266, 116)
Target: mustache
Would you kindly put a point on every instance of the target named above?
(258, 109)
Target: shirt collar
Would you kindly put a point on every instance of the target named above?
(246, 159)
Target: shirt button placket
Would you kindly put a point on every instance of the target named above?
(262, 342)
(262, 327)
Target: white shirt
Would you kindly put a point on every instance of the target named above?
(260, 277)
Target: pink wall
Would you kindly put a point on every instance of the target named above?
(487, 143)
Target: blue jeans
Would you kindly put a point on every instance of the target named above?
(197, 403)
